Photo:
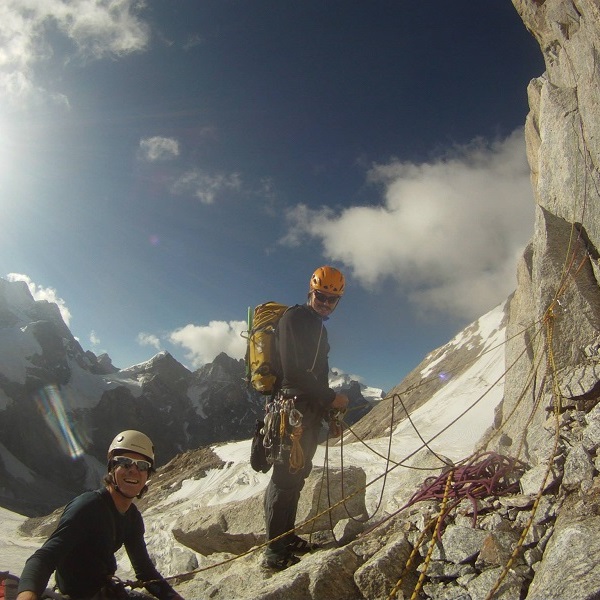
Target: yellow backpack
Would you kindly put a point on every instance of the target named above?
(260, 369)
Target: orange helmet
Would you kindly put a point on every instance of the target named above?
(328, 280)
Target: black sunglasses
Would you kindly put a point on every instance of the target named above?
(321, 297)
(126, 462)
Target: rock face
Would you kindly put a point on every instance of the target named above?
(555, 313)
(554, 320)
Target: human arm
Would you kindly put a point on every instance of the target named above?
(142, 564)
(28, 595)
(34, 578)
(80, 550)
(71, 530)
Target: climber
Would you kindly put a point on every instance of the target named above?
(302, 345)
(96, 524)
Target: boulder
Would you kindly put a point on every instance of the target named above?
(236, 527)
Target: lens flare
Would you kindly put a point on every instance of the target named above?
(51, 407)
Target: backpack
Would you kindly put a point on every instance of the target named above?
(260, 354)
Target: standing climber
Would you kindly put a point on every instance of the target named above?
(94, 526)
(304, 369)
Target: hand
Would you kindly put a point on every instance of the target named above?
(335, 429)
(340, 402)
(27, 595)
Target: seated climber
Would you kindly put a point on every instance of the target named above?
(94, 526)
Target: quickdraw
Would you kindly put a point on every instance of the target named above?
(283, 432)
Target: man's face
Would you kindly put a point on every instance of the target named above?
(128, 477)
(323, 304)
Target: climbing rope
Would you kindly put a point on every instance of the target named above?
(388, 460)
(486, 474)
(432, 543)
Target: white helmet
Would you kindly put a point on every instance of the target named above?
(132, 441)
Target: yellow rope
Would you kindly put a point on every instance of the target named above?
(411, 558)
(434, 537)
(549, 321)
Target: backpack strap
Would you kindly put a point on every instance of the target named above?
(311, 370)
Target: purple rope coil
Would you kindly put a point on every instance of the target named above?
(485, 475)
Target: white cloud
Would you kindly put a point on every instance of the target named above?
(206, 186)
(204, 343)
(94, 339)
(449, 232)
(148, 339)
(159, 148)
(41, 293)
(97, 28)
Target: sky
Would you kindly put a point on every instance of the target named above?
(166, 164)
(452, 421)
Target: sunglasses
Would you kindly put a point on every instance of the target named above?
(126, 462)
(325, 299)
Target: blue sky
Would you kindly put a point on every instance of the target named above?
(166, 164)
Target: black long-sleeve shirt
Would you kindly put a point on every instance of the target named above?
(82, 549)
(303, 350)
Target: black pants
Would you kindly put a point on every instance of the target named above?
(283, 492)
